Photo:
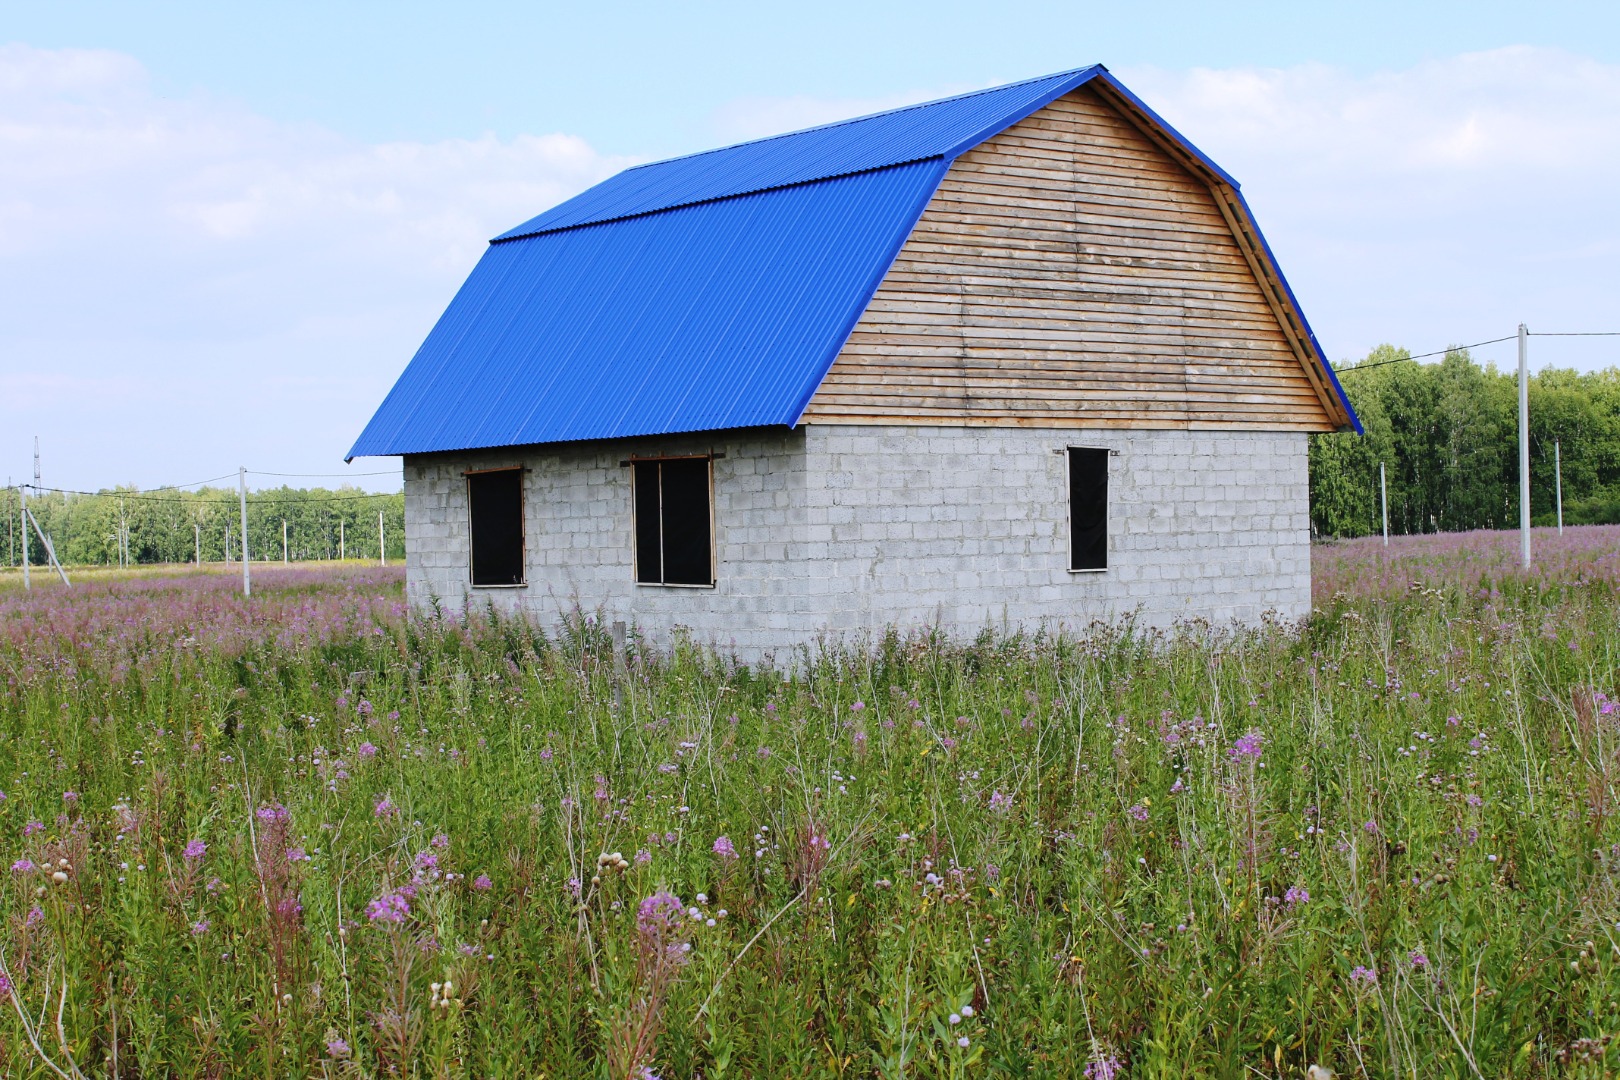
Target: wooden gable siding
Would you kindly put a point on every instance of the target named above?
(1068, 272)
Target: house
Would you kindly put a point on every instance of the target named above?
(1011, 358)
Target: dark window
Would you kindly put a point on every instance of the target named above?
(673, 526)
(1088, 508)
(495, 516)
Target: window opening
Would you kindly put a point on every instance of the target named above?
(495, 520)
(674, 524)
(1088, 508)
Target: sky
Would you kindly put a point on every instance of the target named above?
(224, 228)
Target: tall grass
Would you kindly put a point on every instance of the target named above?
(1383, 843)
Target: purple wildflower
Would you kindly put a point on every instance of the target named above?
(1103, 1068)
(1138, 812)
(5, 986)
(70, 797)
(272, 813)
(195, 849)
(336, 1047)
(33, 827)
(545, 755)
(1418, 959)
(643, 856)
(1248, 745)
(723, 848)
(36, 915)
(296, 855)
(366, 750)
(385, 809)
(1366, 975)
(482, 883)
(199, 928)
(390, 907)
(440, 841)
(1296, 895)
(23, 866)
(1000, 802)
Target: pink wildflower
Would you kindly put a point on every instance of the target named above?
(1248, 746)
(723, 848)
(390, 907)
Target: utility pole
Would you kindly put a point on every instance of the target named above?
(36, 461)
(382, 545)
(1558, 484)
(22, 523)
(1383, 499)
(241, 487)
(1524, 447)
(196, 527)
(341, 555)
(283, 541)
(123, 550)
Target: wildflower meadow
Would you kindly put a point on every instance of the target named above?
(312, 834)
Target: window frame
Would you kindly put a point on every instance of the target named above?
(635, 525)
(1068, 483)
(523, 525)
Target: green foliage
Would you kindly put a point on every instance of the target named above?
(170, 526)
(1170, 853)
(1447, 435)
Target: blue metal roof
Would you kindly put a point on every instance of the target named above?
(934, 129)
(706, 292)
(714, 315)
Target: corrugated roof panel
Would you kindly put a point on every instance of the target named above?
(713, 315)
(933, 129)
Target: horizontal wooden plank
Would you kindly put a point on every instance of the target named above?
(1069, 272)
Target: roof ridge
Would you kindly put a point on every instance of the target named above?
(547, 230)
(864, 117)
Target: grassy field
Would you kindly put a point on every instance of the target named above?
(306, 835)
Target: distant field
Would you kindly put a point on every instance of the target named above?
(307, 834)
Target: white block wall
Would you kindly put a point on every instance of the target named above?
(842, 529)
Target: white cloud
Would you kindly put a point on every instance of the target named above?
(195, 249)
(1430, 206)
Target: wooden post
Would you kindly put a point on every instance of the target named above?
(1383, 498)
(1558, 484)
(1524, 448)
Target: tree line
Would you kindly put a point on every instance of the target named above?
(1447, 434)
(178, 526)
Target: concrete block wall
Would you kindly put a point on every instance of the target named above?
(848, 529)
(969, 527)
(579, 544)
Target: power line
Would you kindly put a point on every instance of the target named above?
(320, 475)
(1458, 348)
(1420, 356)
(259, 497)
